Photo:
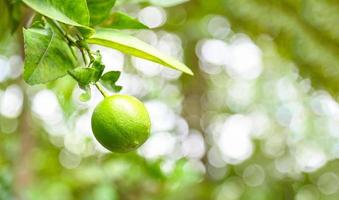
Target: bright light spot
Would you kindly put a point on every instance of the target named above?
(299, 117)
(113, 59)
(46, 106)
(328, 183)
(218, 27)
(261, 123)
(152, 16)
(162, 117)
(309, 158)
(292, 115)
(213, 51)
(209, 68)
(11, 102)
(215, 158)
(170, 74)
(75, 143)
(284, 115)
(56, 128)
(158, 145)
(285, 165)
(181, 128)
(5, 68)
(167, 43)
(146, 67)
(56, 140)
(286, 90)
(333, 127)
(170, 44)
(242, 58)
(132, 85)
(323, 104)
(169, 92)
(240, 94)
(195, 165)
(96, 97)
(216, 173)
(16, 66)
(234, 139)
(231, 190)
(83, 124)
(254, 175)
(274, 145)
(148, 36)
(305, 85)
(245, 59)
(193, 146)
(167, 166)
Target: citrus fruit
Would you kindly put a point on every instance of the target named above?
(121, 123)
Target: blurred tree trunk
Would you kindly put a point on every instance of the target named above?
(23, 173)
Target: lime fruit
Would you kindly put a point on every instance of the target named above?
(121, 123)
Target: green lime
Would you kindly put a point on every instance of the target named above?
(121, 123)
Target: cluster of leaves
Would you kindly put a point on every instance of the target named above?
(94, 73)
(63, 28)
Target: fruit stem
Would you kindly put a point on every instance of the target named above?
(102, 91)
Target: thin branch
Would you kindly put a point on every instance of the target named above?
(102, 91)
(84, 56)
(68, 37)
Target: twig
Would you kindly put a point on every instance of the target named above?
(102, 91)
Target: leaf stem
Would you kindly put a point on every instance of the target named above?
(84, 56)
(68, 37)
(83, 49)
(90, 55)
(102, 91)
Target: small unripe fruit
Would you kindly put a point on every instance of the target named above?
(121, 123)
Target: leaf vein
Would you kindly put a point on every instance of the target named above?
(44, 54)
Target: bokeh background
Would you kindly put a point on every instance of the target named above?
(259, 120)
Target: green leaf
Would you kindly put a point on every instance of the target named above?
(15, 7)
(112, 76)
(10, 17)
(133, 46)
(83, 75)
(117, 88)
(38, 21)
(73, 13)
(47, 56)
(99, 66)
(121, 20)
(109, 79)
(99, 10)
